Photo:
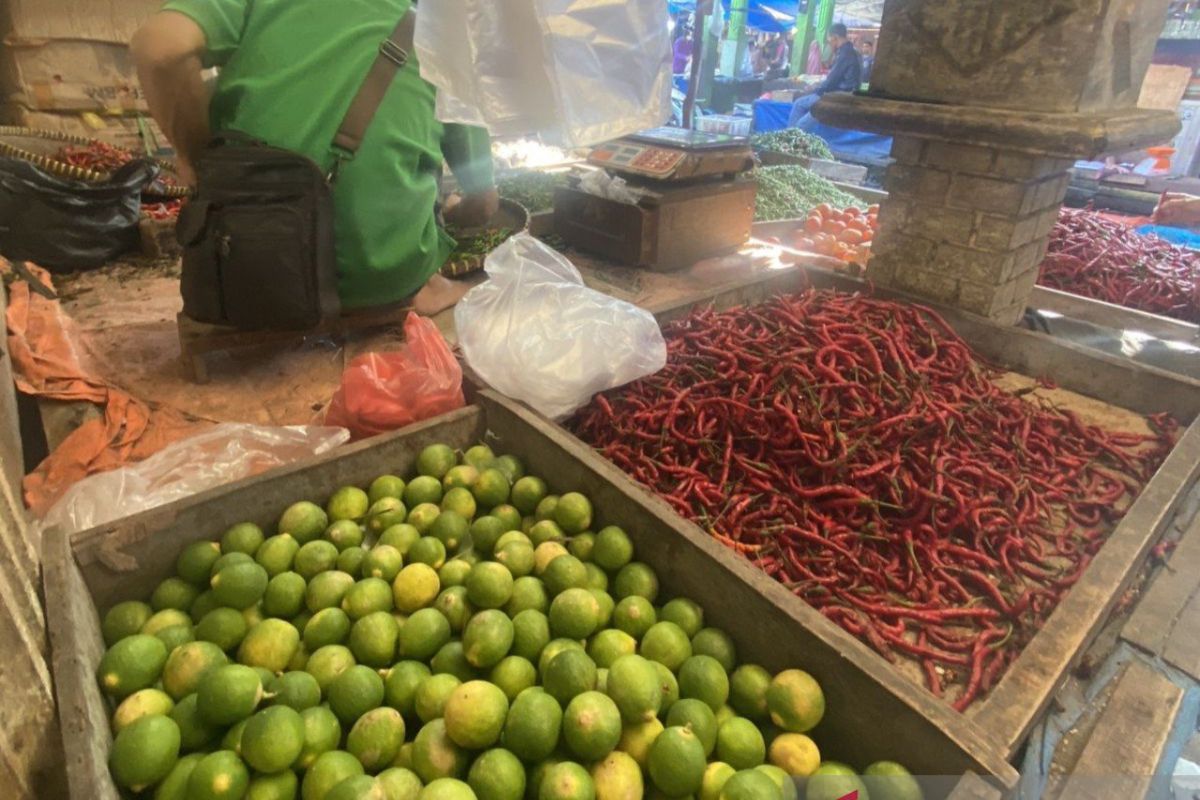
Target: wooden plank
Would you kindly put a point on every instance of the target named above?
(1109, 315)
(972, 787)
(1126, 747)
(1183, 645)
(1157, 613)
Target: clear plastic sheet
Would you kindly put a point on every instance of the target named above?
(577, 72)
(536, 333)
(222, 454)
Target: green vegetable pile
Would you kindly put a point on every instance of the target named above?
(478, 244)
(459, 635)
(793, 142)
(532, 189)
(790, 192)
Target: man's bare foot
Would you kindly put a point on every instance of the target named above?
(438, 294)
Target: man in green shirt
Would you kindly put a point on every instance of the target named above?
(288, 71)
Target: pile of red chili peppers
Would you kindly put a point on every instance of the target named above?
(1096, 257)
(103, 157)
(855, 450)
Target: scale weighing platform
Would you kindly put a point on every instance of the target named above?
(696, 200)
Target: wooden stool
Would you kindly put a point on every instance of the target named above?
(199, 340)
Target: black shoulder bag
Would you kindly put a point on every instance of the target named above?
(257, 236)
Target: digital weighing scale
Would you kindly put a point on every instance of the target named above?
(697, 201)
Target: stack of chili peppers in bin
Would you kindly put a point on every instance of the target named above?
(103, 157)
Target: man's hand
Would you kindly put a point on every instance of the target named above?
(1178, 210)
(472, 210)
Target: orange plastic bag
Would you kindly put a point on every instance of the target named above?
(381, 392)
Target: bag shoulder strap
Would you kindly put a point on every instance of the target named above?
(393, 55)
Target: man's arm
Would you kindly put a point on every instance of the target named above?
(468, 151)
(168, 51)
(837, 73)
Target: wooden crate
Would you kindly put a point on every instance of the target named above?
(872, 713)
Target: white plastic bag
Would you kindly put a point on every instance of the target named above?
(222, 454)
(577, 72)
(534, 332)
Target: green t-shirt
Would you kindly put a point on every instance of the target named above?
(289, 69)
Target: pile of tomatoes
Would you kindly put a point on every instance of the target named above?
(844, 234)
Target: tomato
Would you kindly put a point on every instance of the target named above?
(852, 211)
(851, 236)
(824, 209)
(824, 243)
(834, 227)
(813, 224)
(804, 243)
(873, 208)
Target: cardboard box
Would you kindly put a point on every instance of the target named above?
(113, 21)
(119, 130)
(71, 76)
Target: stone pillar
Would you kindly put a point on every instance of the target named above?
(990, 104)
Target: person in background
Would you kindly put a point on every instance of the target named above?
(288, 71)
(867, 49)
(681, 54)
(844, 76)
(776, 54)
(815, 65)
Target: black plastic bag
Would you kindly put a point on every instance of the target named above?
(68, 225)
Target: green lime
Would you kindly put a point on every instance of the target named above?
(460, 501)
(373, 639)
(490, 488)
(280, 786)
(546, 552)
(194, 564)
(270, 644)
(305, 521)
(748, 690)
(484, 533)
(512, 536)
(447, 789)
(367, 597)
(637, 737)
(455, 571)
(685, 613)
(581, 546)
(174, 593)
(574, 614)
(531, 633)
(187, 664)
(610, 644)
(795, 754)
(666, 643)
(633, 683)
(277, 554)
(567, 781)
(228, 560)
(613, 548)
(834, 781)
(204, 603)
(487, 638)
(322, 732)
(328, 662)
(568, 674)
(376, 738)
(240, 585)
(489, 585)
(429, 700)
(512, 467)
(297, 690)
(573, 513)
(142, 703)
(219, 776)
(479, 456)
(229, 693)
(328, 770)
(174, 786)
(401, 537)
(536, 774)
(703, 678)
(514, 675)
(888, 780)
(134, 662)
(750, 784)
(676, 762)
(597, 578)
(428, 550)
(300, 659)
(416, 587)
(552, 649)
(327, 626)
(606, 605)
(327, 590)
(563, 573)
(474, 714)
(350, 561)
(232, 740)
(454, 605)
(400, 685)
(546, 531)
(669, 685)
(124, 619)
(285, 595)
(315, 557)
(144, 752)
(740, 744)
(636, 578)
(385, 486)
(591, 725)
(716, 643)
(795, 701)
(244, 537)
(423, 516)
(452, 660)
(348, 502)
(175, 635)
(355, 692)
(422, 490)
(517, 556)
(634, 615)
(618, 777)
(399, 783)
(534, 722)
(345, 533)
(253, 615)
(450, 528)
(424, 634)
(385, 513)
(787, 786)
(497, 775)
(527, 492)
(436, 460)
(460, 477)
(509, 515)
(195, 732)
(716, 775)
(435, 755)
(382, 561)
(698, 717)
(527, 593)
(273, 738)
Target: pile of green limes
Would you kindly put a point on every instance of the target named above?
(462, 635)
